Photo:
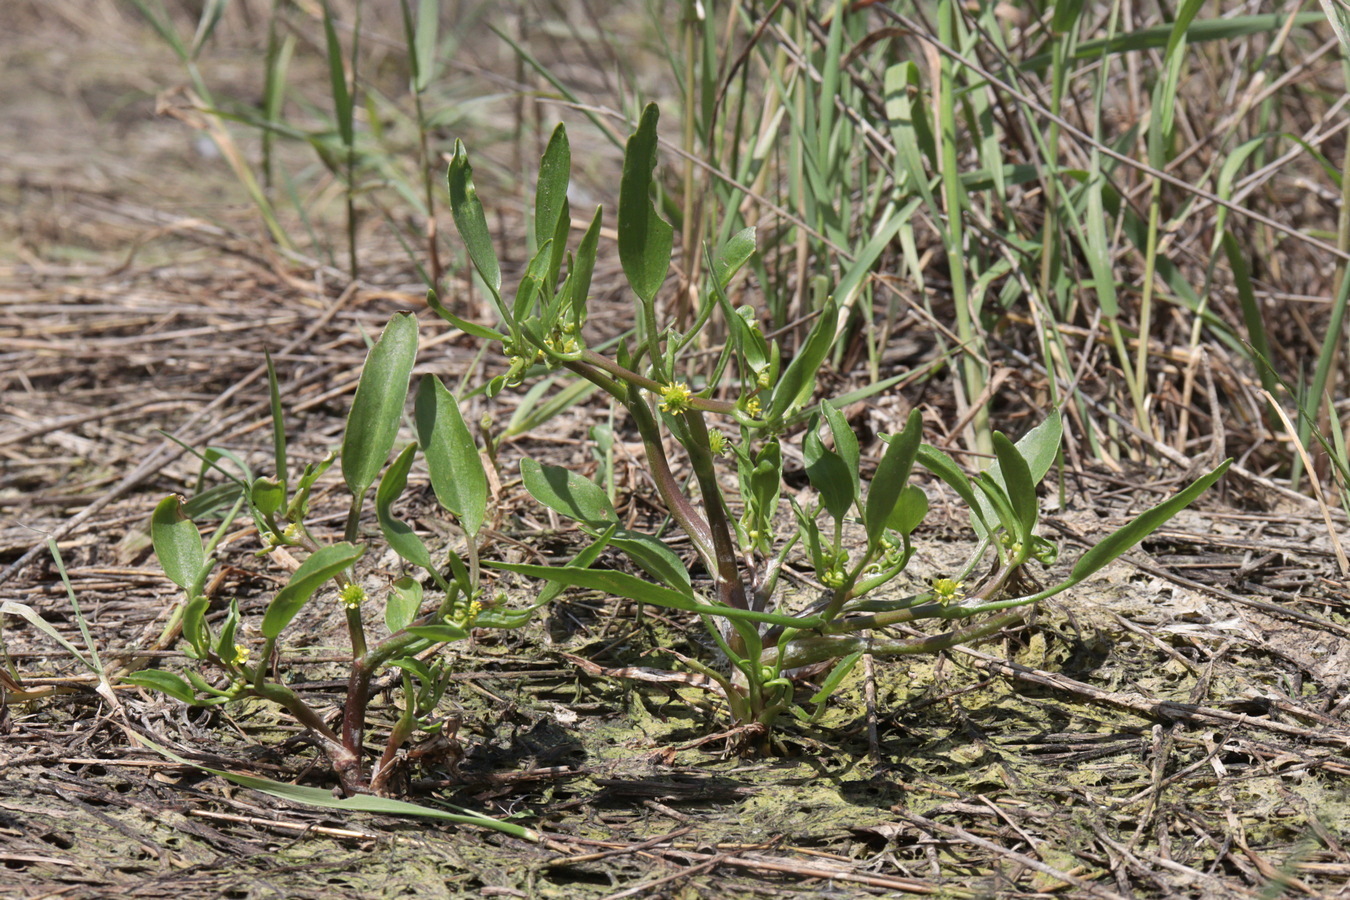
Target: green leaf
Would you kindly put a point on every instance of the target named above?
(735, 254)
(836, 677)
(479, 331)
(1141, 526)
(828, 472)
(441, 633)
(324, 799)
(278, 423)
(343, 102)
(909, 510)
(268, 495)
(941, 465)
(1038, 447)
(798, 381)
(377, 408)
(322, 565)
(225, 646)
(568, 493)
(402, 604)
(177, 542)
(551, 213)
(10, 608)
(1020, 488)
(625, 585)
(165, 682)
(645, 239)
(400, 535)
(457, 474)
(892, 475)
(653, 556)
(582, 267)
(845, 444)
(472, 222)
(424, 43)
(194, 625)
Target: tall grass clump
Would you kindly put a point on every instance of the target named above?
(1077, 206)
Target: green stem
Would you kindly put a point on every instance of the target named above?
(730, 588)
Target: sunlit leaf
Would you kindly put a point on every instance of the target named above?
(402, 603)
(1141, 526)
(891, 477)
(472, 221)
(164, 682)
(323, 564)
(377, 408)
(457, 475)
(645, 239)
(177, 542)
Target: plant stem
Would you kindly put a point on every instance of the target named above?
(730, 588)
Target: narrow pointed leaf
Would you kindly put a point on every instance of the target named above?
(472, 222)
(464, 325)
(645, 239)
(798, 381)
(377, 408)
(1038, 447)
(1141, 526)
(324, 799)
(892, 475)
(624, 585)
(441, 633)
(1017, 481)
(165, 682)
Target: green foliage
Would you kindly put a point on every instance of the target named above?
(417, 619)
(762, 641)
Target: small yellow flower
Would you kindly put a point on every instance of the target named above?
(752, 407)
(240, 655)
(717, 443)
(947, 590)
(352, 596)
(675, 397)
(475, 608)
(291, 533)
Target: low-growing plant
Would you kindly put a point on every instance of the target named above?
(856, 537)
(232, 662)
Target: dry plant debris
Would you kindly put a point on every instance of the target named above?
(1178, 730)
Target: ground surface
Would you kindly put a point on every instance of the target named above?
(1178, 728)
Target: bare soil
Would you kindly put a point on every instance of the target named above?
(1176, 728)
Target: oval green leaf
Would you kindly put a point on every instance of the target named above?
(568, 494)
(457, 475)
(164, 682)
(402, 604)
(177, 542)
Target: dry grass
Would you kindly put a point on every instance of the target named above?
(1178, 730)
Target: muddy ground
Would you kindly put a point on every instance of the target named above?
(1176, 728)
